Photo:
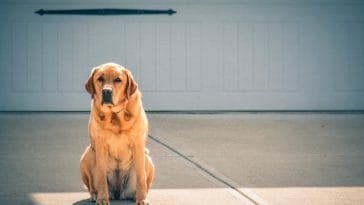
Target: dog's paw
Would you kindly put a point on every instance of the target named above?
(102, 202)
(93, 196)
(142, 202)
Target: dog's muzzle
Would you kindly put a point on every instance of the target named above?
(106, 96)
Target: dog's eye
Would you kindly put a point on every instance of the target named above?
(117, 80)
(101, 79)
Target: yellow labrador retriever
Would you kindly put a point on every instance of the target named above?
(116, 164)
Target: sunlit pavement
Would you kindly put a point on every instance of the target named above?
(234, 158)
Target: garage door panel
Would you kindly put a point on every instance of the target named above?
(211, 58)
(148, 56)
(80, 64)
(19, 77)
(245, 57)
(163, 61)
(348, 99)
(50, 61)
(349, 55)
(5, 60)
(261, 56)
(198, 101)
(169, 56)
(178, 56)
(105, 42)
(250, 101)
(276, 50)
(34, 61)
(132, 48)
(45, 101)
(193, 57)
(230, 56)
(65, 57)
(291, 57)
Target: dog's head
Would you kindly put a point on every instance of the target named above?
(110, 84)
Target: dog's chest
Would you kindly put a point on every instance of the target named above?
(120, 152)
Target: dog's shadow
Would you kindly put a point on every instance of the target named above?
(112, 202)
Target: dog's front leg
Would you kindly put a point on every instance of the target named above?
(101, 169)
(139, 163)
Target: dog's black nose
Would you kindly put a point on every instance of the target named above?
(106, 96)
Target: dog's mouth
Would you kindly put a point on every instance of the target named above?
(108, 104)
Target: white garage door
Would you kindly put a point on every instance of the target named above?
(224, 55)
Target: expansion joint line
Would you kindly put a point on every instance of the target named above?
(205, 170)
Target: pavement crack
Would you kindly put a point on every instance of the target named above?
(206, 170)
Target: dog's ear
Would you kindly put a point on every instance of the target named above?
(89, 85)
(131, 85)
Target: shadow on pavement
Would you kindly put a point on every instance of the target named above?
(83, 202)
(113, 202)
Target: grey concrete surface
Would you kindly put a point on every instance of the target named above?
(282, 158)
(39, 160)
(200, 159)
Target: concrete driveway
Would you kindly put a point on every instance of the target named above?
(200, 159)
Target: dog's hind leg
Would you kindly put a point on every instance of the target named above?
(87, 169)
(149, 170)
